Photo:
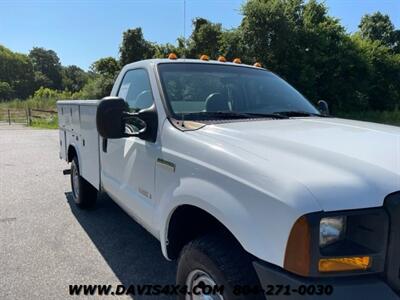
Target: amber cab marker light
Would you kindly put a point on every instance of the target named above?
(344, 264)
(204, 57)
(257, 65)
(221, 58)
(172, 56)
(237, 61)
(297, 256)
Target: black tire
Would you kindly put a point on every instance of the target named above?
(85, 196)
(224, 261)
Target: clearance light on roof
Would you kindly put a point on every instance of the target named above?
(237, 61)
(172, 56)
(221, 58)
(257, 65)
(204, 57)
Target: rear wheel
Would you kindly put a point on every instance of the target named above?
(83, 193)
(214, 261)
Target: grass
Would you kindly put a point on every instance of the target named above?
(34, 103)
(48, 123)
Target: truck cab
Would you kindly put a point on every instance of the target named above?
(243, 180)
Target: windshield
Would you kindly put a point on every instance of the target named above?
(194, 89)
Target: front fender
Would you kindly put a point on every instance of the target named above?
(185, 195)
(260, 223)
(256, 203)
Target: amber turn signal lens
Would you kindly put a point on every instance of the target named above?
(172, 56)
(204, 57)
(344, 264)
(221, 59)
(237, 61)
(257, 65)
(297, 256)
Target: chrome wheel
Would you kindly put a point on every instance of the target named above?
(200, 284)
(75, 181)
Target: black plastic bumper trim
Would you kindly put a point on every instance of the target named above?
(369, 287)
(392, 205)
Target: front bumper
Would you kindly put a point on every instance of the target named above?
(278, 284)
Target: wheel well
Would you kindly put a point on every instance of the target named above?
(71, 153)
(189, 222)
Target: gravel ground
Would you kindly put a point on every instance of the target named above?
(46, 243)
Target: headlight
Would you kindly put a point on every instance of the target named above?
(334, 243)
(331, 230)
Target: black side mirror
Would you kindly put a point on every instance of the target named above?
(114, 120)
(109, 121)
(323, 107)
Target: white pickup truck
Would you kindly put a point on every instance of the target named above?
(243, 180)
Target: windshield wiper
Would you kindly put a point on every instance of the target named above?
(295, 113)
(232, 114)
(271, 115)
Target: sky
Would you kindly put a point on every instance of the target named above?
(82, 31)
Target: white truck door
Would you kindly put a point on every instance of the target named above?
(128, 164)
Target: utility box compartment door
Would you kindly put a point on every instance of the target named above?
(89, 145)
(63, 144)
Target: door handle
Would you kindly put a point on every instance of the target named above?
(170, 166)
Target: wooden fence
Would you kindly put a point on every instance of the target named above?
(24, 116)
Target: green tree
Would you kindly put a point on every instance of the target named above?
(6, 90)
(134, 47)
(307, 47)
(106, 71)
(16, 75)
(269, 31)
(107, 66)
(378, 27)
(103, 74)
(396, 41)
(96, 88)
(73, 78)
(331, 66)
(232, 45)
(382, 75)
(163, 50)
(295, 38)
(205, 38)
(47, 67)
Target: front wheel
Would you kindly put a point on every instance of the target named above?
(83, 193)
(214, 261)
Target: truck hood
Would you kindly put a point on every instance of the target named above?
(344, 164)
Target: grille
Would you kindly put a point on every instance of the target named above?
(392, 205)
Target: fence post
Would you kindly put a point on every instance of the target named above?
(9, 117)
(29, 116)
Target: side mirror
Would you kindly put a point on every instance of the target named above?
(114, 120)
(323, 107)
(109, 121)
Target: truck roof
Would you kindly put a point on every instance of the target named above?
(156, 61)
(78, 102)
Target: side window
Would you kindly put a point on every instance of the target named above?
(136, 90)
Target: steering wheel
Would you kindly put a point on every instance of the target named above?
(217, 102)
